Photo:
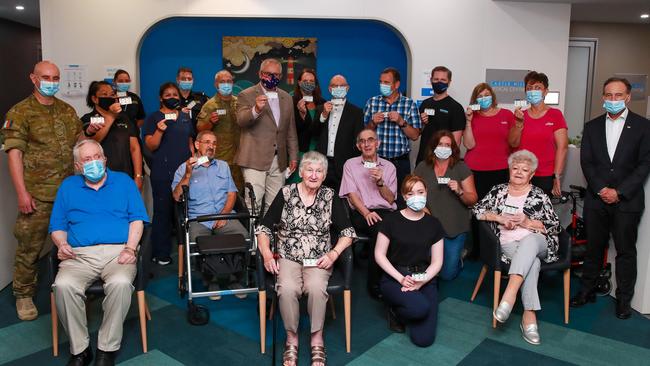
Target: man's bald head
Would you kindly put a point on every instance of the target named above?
(338, 80)
(45, 67)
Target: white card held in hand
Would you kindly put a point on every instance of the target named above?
(287, 173)
(430, 111)
(521, 103)
(272, 95)
(475, 107)
(369, 164)
(202, 160)
(170, 116)
(308, 98)
(221, 112)
(191, 104)
(443, 180)
(419, 276)
(385, 114)
(97, 120)
(125, 101)
(121, 94)
(509, 210)
(309, 262)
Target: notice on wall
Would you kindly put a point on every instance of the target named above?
(507, 84)
(74, 80)
(638, 81)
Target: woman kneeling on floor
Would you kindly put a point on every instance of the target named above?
(410, 251)
(523, 219)
(305, 213)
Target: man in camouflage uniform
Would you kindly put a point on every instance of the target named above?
(219, 115)
(39, 133)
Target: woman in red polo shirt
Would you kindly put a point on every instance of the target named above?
(486, 140)
(543, 131)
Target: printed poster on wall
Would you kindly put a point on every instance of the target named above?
(74, 80)
(242, 56)
(507, 84)
(638, 81)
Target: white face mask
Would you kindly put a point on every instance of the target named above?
(416, 203)
(442, 152)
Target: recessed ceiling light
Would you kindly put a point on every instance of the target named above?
(20, 7)
(645, 16)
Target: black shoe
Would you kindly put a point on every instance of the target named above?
(623, 309)
(82, 359)
(394, 323)
(162, 261)
(582, 298)
(105, 358)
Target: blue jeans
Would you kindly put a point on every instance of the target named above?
(451, 264)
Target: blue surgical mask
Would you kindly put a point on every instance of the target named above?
(185, 84)
(385, 89)
(48, 88)
(484, 102)
(534, 97)
(442, 152)
(122, 87)
(416, 203)
(614, 106)
(225, 88)
(339, 92)
(94, 170)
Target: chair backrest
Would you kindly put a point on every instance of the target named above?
(490, 247)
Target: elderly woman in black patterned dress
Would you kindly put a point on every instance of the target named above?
(306, 213)
(523, 219)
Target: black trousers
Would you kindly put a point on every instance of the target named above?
(484, 181)
(623, 226)
(332, 179)
(361, 226)
(402, 169)
(545, 183)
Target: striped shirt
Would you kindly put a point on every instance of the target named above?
(394, 141)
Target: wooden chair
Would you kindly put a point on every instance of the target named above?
(491, 256)
(97, 289)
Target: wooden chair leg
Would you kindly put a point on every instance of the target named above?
(146, 311)
(143, 322)
(332, 308)
(180, 264)
(567, 293)
(479, 281)
(262, 304)
(55, 326)
(497, 285)
(272, 309)
(347, 299)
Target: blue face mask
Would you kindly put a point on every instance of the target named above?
(385, 90)
(484, 102)
(94, 170)
(225, 88)
(534, 97)
(122, 87)
(185, 84)
(416, 203)
(48, 88)
(614, 106)
(339, 92)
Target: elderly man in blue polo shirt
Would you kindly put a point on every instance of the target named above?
(96, 223)
(212, 191)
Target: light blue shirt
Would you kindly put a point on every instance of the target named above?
(209, 188)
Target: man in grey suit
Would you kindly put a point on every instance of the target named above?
(268, 142)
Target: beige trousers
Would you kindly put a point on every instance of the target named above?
(295, 280)
(75, 276)
(266, 184)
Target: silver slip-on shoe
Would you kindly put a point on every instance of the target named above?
(530, 333)
(502, 312)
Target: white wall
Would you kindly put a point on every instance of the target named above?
(468, 36)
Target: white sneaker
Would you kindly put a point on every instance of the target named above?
(214, 287)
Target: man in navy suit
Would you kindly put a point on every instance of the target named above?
(615, 159)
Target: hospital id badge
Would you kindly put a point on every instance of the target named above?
(121, 94)
(202, 160)
(443, 180)
(510, 210)
(430, 111)
(98, 120)
(170, 116)
(309, 262)
(126, 101)
(369, 164)
(419, 276)
(191, 104)
(308, 98)
(221, 112)
(475, 107)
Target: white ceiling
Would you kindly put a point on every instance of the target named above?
(610, 11)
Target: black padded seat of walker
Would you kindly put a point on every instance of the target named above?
(222, 244)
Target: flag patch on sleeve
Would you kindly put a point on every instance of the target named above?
(8, 123)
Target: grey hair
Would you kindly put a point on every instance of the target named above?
(78, 145)
(270, 61)
(523, 156)
(220, 72)
(313, 157)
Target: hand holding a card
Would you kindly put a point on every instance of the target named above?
(378, 118)
(376, 174)
(260, 103)
(424, 118)
(327, 109)
(519, 115)
(161, 125)
(469, 114)
(214, 117)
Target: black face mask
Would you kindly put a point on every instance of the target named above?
(172, 103)
(105, 102)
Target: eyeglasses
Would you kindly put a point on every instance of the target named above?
(213, 143)
(370, 140)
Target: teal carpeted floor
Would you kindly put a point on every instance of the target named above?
(465, 336)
